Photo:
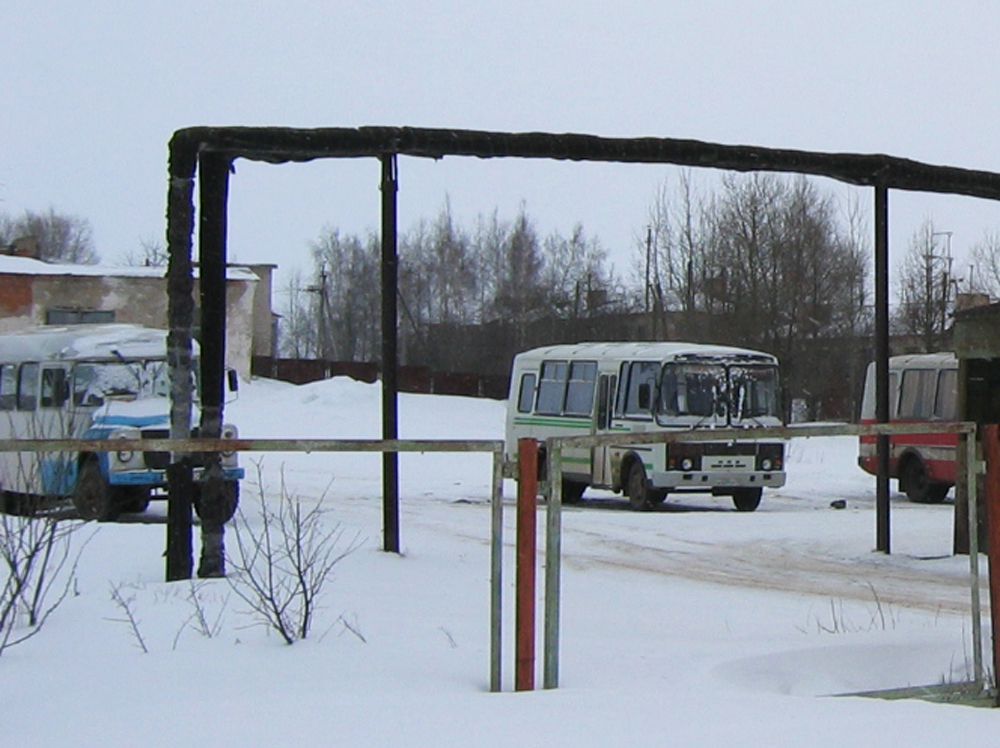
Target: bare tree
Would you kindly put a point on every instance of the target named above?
(925, 289)
(298, 328)
(60, 237)
(985, 272)
(576, 277)
(150, 253)
(351, 300)
(763, 263)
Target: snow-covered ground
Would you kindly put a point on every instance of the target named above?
(691, 626)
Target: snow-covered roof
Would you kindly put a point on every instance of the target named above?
(94, 341)
(29, 266)
(651, 351)
(945, 360)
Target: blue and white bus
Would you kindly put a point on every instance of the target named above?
(102, 381)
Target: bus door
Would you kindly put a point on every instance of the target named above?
(54, 420)
(600, 459)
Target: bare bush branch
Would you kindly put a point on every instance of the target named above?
(38, 565)
(125, 604)
(283, 560)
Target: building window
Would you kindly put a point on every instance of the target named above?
(78, 316)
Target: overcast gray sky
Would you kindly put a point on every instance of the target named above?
(90, 92)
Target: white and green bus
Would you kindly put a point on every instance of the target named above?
(623, 388)
(91, 381)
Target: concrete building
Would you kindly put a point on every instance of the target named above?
(39, 293)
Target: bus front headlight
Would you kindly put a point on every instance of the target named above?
(125, 456)
(229, 432)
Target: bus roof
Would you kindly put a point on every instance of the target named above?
(75, 342)
(942, 360)
(650, 351)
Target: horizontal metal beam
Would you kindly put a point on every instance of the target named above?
(285, 144)
(786, 432)
(248, 445)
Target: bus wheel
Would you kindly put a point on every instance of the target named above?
(747, 499)
(135, 500)
(637, 488)
(92, 496)
(222, 511)
(917, 485)
(572, 492)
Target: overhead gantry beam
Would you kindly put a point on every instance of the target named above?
(223, 145)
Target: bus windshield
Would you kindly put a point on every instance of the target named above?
(706, 390)
(94, 383)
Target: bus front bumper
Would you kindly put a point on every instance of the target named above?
(676, 480)
(156, 478)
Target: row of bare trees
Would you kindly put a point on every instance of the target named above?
(765, 262)
(448, 275)
(57, 237)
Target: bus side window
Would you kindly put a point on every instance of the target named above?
(641, 379)
(55, 388)
(552, 388)
(580, 388)
(917, 393)
(619, 409)
(8, 387)
(946, 402)
(526, 393)
(27, 387)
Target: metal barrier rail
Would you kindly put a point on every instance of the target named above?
(249, 445)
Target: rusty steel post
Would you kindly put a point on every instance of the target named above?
(882, 414)
(524, 627)
(212, 510)
(180, 319)
(390, 363)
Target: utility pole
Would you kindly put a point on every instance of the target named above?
(943, 301)
(325, 347)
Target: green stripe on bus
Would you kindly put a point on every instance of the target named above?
(554, 422)
(565, 423)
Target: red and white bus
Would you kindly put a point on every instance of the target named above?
(922, 388)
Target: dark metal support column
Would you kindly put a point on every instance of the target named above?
(882, 533)
(390, 363)
(214, 194)
(180, 315)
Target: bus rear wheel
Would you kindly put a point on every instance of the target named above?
(135, 499)
(572, 492)
(747, 499)
(917, 485)
(92, 495)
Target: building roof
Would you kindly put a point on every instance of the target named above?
(28, 266)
